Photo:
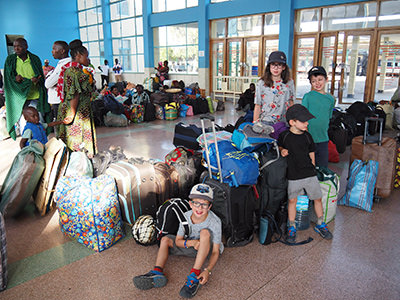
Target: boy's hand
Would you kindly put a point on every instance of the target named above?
(203, 277)
(195, 244)
(284, 152)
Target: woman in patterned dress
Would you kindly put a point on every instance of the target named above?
(75, 87)
(274, 91)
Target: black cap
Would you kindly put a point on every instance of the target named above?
(298, 112)
(277, 57)
(317, 70)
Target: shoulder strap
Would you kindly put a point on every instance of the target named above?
(181, 217)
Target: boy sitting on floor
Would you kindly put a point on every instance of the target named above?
(204, 240)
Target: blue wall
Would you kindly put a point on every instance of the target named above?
(40, 22)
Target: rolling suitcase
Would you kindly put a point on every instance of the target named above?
(234, 206)
(380, 149)
(136, 183)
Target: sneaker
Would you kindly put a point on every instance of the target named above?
(150, 280)
(291, 235)
(191, 287)
(323, 231)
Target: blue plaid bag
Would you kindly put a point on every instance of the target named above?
(361, 184)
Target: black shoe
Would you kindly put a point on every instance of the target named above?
(150, 280)
(191, 287)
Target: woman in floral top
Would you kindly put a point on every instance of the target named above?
(75, 87)
(274, 91)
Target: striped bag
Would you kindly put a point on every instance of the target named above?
(361, 184)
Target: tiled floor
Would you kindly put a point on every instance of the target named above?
(361, 262)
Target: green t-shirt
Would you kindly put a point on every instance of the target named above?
(24, 68)
(321, 106)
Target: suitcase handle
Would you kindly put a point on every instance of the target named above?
(208, 117)
(212, 119)
(376, 119)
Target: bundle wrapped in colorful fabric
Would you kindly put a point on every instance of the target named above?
(89, 210)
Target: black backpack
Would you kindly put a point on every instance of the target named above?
(170, 214)
(99, 110)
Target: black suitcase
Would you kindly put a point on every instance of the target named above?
(234, 206)
(186, 135)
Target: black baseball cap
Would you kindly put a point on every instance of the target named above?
(298, 112)
(317, 70)
(277, 57)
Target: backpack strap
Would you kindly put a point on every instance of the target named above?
(181, 217)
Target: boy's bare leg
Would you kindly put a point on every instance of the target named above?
(163, 251)
(292, 209)
(204, 249)
(318, 208)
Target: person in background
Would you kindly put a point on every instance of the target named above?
(75, 88)
(1, 81)
(320, 104)
(246, 100)
(274, 91)
(47, 68)
(162, 71)
(140, 96)
(105, 70)
(297, 145)
(117, 68)
(23, 85)
(204, 240)
(59, 51)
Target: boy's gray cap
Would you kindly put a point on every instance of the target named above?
(298, 112)
(277, 57)
(317, 70)
(202, 191)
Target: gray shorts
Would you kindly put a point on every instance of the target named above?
(189, 252)
(310, 185)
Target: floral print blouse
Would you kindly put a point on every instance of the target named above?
(274, 100)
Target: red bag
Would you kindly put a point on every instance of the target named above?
(333, 153)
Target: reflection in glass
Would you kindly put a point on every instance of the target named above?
(218, 28)
(389, 14)
(307, 20)
(251, 65)
(234, 58)
(356, 16)
(305, 60)
(271, 23)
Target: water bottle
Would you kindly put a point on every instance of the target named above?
(302, 219)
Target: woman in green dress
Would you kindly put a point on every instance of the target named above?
(75, 87)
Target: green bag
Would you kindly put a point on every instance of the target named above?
(22, 179)
(210, 104)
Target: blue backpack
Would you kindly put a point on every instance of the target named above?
(238, 167)
(247, 140)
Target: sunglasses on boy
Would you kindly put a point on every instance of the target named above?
(198, 204)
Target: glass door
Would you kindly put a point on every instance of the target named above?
(304, 62)
(251, 63)
(388, 69)
(355, 63)
(234, 58)
(328, 54)
(217, 63)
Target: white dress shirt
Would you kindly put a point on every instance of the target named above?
(52, 79)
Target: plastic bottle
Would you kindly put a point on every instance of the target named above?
(302, 219)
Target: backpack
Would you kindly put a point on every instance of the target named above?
(170, 214)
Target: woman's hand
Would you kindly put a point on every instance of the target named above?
(68, 120)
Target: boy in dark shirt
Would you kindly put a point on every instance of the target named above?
(298, 146)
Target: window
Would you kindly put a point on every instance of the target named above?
(245, 26)
(179, 45)
(168, 5)
(217, 1)
(127, 34)
(389, 13)
(354, 16)
(91, 29)
(307, 20)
